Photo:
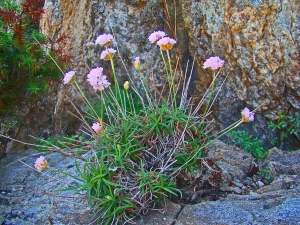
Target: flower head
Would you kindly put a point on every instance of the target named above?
(108, 54)
(137, 63)
(97, 79)
(214, 63)
(105, 40)
(41, 163)
(126, 85)
(156, 36)
(90, 45)
(166, 43)
(247, 115)
(97, 127)
(69, 77)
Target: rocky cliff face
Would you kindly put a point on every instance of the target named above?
(260, 42)
(258, 39)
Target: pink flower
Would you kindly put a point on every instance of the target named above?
(214, 63)
(97, 79)
(137, 63)
(69, 77)
(166, 43)
(105, 40)
(97, 127)
(108, 54)
(41, 163)
(247, 115)
(156, 36)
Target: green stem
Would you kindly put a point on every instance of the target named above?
(50, 56)
(86, 100)
(211, 93)
(207, 144)
(129, 100)
(117, 91)
(165, 64)
(102, 105)
(169, 61)
(166, 68)
(147, 87)
(171, 79)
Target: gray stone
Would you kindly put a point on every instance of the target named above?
(260, 184)
(259, 40)
(267, 212)
(159, 218)
(280, 162)
(30, 197)
(234, 164)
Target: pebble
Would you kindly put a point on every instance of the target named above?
(260, 184)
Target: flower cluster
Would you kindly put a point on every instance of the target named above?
(69, 77)
(105, 40)
(166, 43)
(159, 38)
(97, 79)
(97, 127)
(41, 163)
(213, 63)
(247, 115)
(108, 54)
(156, 36)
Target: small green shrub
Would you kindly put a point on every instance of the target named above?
(286, 125)
(25, 70)
(265, 173)
(250, 144)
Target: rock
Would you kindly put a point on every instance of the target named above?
(279, 162)
(158, 218)
(234, 164)
(260, 184)
(273, 207)
(259, 40)
(275, 210)
(30, 197)
(282, 182)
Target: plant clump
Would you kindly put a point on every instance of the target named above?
(140, 141)
(25, 70)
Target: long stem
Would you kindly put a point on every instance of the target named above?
(171, 80)
(117, 91)
(127, 95)
(50, 56)
(102, 105)
(85, 99)
(165, 64)
(211, 93)
(26, 143)
(148, 93)
(166, 68)
(207, 144)
(169, 61)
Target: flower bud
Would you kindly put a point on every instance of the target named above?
(126, 85)
(137, 63)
